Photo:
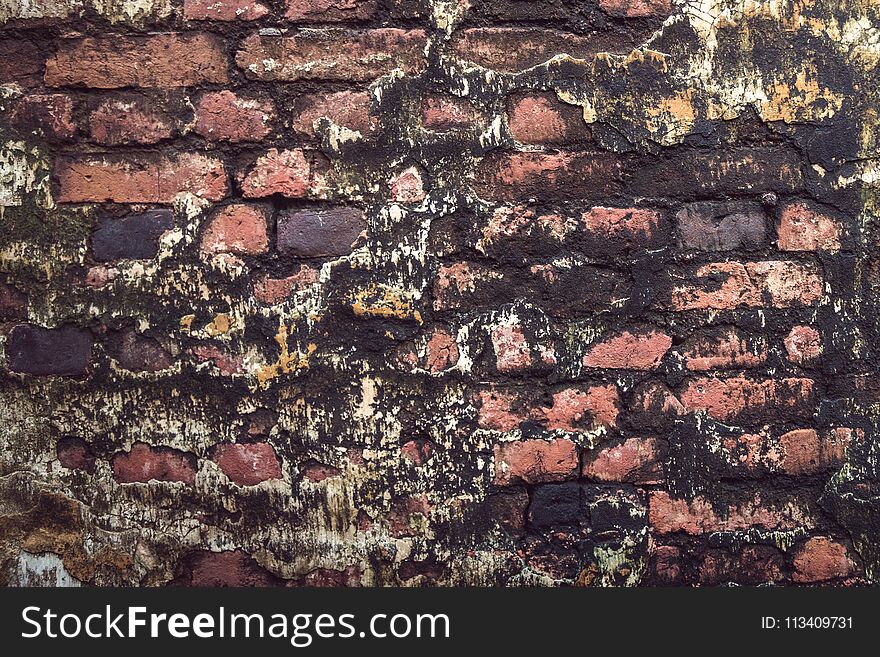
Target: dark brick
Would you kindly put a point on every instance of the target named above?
(139, 353)
(135, 236)
(721, 226)
(63, 351)
(555, 504)
(312, 234)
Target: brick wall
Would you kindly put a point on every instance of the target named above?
(339, 292)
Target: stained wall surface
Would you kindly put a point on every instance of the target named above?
(411, 292)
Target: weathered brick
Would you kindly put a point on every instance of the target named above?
(535, 461)
(247, 464)
(164, 60)
(223, 116)
(805, 451)
(820, 559)
(636, 460)
(629, 351)
(668, 514)
(62, 351)
(224, 10)
(319, 233)
(318, 472)
(133, 236)
(576, 409)
(753, 564)
(738, 398)
(351, 56)
(292, 173)
(145, 463)
(514, 351)
(699, 173)
(801, 228)
(20, 62)
(803, 344)
(721, 226)
(349, 109)
(237, 228)
(13, 303)
(407, 186)
(139, 353)
(74, 453)
(555, 504)
(516, 49)
(275, 290)
(319, 11)
(547, 176)
(51, 114)
(444, 113)
(636, 8)
(729, 285)
(225, 569)
(139, 178)
(130, 120)
(441, 351)
(543, 119)
(725, 349)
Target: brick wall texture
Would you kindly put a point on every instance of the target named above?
(439, 292)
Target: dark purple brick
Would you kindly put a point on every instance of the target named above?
(135, 236)
(721, 226)
(64, 351)
(313, 234)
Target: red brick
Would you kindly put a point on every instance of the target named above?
(291, 173)
(408, 186)
(350, 56)
(629, 351)
(319, 11)
(535, 461)
(318, 472)
(740, 398)
(139, 353)
(636, 460)
(227, 364)
(576, 409)
(164, 60)
(139, 178)
(248, 464)
(417, 451)
(444, 113)
(803, 229)
(820, 559)
(547, 176)
(441, 351)
(223, 116)
(456, 282)
(803, 344)
(237, 229)
(224, 10)
(349, 109)
(636, 8)
(805, 451)
(514, 352)
(666, 565)
(145, 463)
(407, 515)
(50, 113)
(729, 285)
(667, 515)
(130, 121)
(233, 568)
(636, 226)
(501, 410)
(275, 290)
(722, 350)
(516, 49)
(543, 119)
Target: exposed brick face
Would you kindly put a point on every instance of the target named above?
(248, 464)
(223, 116)
(166, 60)
(144, 463)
